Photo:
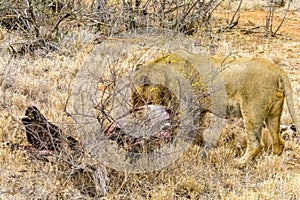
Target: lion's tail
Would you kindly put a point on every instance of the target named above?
(289, 100)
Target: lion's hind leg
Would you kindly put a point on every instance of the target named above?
(273, 125)
(253, 127)
(254, 144)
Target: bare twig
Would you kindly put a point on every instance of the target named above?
(285, 14)
(33, 19)
(269, 17)
(234, 21)
(60, 20)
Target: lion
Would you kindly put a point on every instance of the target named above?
(255, 90)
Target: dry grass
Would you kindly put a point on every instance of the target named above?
(46, 82)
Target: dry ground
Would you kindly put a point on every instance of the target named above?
(46, 82)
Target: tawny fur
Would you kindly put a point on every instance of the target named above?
(255, 90)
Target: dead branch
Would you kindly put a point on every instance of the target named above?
(283, 19)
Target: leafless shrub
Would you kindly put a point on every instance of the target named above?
(271, 7)
(37, 22)
(44, 24)
(181, 16)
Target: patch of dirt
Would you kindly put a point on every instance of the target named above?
(291, 25)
